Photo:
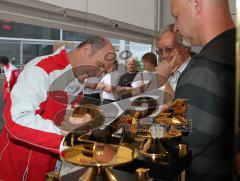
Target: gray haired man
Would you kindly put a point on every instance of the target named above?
(168, 43)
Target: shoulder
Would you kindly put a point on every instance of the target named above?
(124, 75)
(105, 77)
(55, 61)
(138, 75)
(202, 64)
(116, 74)
(16, 72)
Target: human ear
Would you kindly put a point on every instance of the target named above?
(87, 50)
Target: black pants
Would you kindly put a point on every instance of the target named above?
(107, 101)
(93, 99)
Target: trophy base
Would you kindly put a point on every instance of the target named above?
(153, 149)
(98, 174)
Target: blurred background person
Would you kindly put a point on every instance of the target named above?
(108, 85)
(11, 74)
(143, 79)
(146, 81)
(91, 95)
(124, 87)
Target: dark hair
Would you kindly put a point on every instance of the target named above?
(4, 60)
(115, 63)
(96, 42)
(150, 57)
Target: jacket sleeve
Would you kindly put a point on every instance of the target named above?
(13, 79)
(4, 89)
(21, 120)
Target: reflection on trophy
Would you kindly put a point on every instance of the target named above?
(98, 157)
(116, 144)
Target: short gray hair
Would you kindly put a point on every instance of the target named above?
(179, 38)
(131, 58)
(96, 42)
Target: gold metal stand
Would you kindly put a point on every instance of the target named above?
(142, 174)
(153, 149)
(182, 152)
(97, 158)
(52, 176)
(99, 174)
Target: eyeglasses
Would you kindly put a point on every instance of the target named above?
(166, 50)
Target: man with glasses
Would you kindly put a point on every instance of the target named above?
(168, 43)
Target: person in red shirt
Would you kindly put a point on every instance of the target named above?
(10, 76)
(46, 87)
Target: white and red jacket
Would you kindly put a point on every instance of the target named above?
(30, 139)
(11, 74)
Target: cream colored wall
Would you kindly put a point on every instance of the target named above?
(137, 12)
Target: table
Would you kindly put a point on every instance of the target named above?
(165, 170)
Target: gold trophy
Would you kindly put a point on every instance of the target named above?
(98, 157)
(151, 143)
(165, 127)
(142, 174)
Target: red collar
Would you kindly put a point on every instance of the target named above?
(7, 66)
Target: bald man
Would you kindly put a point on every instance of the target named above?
(32, 133)
(124, 85)
(208, 83)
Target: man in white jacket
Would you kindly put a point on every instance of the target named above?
(31, 136)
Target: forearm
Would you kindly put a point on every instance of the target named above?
(108, 88)
(91, 85)
(32, 129)
(119, 89)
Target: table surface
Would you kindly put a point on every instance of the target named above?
(159, 170)
(166, 170)
(121, 175)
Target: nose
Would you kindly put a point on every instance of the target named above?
(164, 54)
(175, 27)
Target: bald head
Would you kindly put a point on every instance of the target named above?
(96, 54)
(131, 65)
(201, 20)
(222, 3)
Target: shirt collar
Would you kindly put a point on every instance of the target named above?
(145, 71)
(184, 65)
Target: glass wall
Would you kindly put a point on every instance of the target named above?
(22, 42)
(74, 36)
(31, 51)
(19, 30)
(10, 49)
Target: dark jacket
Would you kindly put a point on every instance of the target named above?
(208, 82)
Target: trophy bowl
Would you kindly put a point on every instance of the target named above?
(98, 157)
(80, 121)
(96, 117)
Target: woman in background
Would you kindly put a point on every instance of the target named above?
(146, 81)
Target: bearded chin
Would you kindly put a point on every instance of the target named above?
(186, 42)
